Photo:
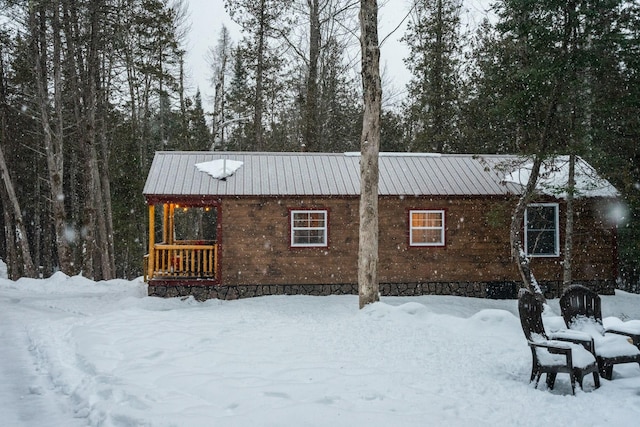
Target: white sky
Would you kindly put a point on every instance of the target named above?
(208, 16)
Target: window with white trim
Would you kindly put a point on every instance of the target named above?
(426, 227)
(542, 237)
(309, 228)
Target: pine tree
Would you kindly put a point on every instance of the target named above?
(434, 46)
(199, 138)
(261, 23)
(239, 100)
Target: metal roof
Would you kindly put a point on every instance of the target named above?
(330, 174)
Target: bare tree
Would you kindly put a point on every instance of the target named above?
(19, 258)
(369, 146)
(52, 142)
(219, 58)
(311, 116)
(517, 250)
(21, 262)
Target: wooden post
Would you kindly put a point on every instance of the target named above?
(165, 224)
(152, 243)
(171, 227)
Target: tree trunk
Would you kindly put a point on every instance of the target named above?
(95, 230)
(20, 261)
(221, 55)
(13, 264)
(311, 111)
(517, 250)
(369, 146)
(107, 247)
(568, 237)
(53, 146)
(11, 204)
(257, 103)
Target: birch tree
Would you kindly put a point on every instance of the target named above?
(369, 148)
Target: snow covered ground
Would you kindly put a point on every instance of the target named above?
(77, 353)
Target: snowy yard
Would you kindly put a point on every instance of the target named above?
(78, 353)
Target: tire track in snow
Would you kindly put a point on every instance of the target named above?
(29, 392)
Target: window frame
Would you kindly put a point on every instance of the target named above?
(293, 228)
(442, 228)
(556, 230)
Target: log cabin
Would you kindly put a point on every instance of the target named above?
(241, 224)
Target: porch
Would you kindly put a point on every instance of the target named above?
(188, 248)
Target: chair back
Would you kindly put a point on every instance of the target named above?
(530, 309)
(579, 301)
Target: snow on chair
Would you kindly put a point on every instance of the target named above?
(563, 353)
(581, 311)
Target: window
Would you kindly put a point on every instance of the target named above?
(426, 228)
(541, 237)
(309, 228)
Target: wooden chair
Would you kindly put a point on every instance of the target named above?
(562, 354)
(581, 310)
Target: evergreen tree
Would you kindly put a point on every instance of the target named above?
(539, 84)
(239, 99)
(434, 45)
(261, 23)
(483, 125)
(199, 137)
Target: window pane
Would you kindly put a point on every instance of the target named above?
(541, 218)
(426, 236)
(196, 223)
(541, 242)
(418, 219)
(316, 220)
(300, 221)
(542, 230)
(306, 237)
(434, 220)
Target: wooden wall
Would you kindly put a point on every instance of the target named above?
(255, 243)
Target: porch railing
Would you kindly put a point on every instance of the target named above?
(183, 261)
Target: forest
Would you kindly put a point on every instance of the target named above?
(90, 89)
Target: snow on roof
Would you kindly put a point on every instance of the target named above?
(338, 174)
(554, 175)
(220, 168)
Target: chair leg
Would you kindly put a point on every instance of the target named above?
(606, 371)
(538, 375)
(551, 380)
(580, 379)
(596, 380)
(573, 382)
